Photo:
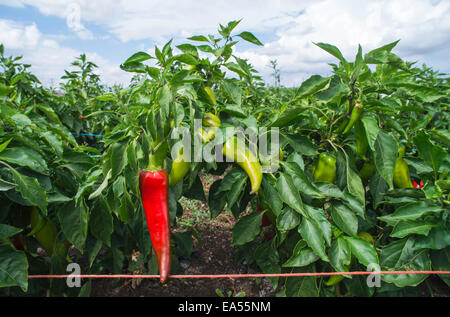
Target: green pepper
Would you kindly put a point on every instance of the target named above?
(180, 167)
(325, 170)
(367, 171)
(242, 155)
(402, 178)
(361, 140)
(356, 113)
(47, 233)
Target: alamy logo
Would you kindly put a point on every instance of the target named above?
(73, 280)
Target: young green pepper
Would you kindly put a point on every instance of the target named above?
(402, 178)
(241, 154)
(325, 169)
(356, 113)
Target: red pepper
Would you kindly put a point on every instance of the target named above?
(415, 185)
(154, 191)
(81, 117)
(265, 220)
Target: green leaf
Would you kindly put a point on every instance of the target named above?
(74, 223)
(363, 250)
(247, 228)
(340, 255)
(4, 145)
(138, 58)
(31, 190)
(198, 38)
(270, 195)
(289, 194)
(24, 156)
(102, 186)
(386, 152)
(433, 155)
(312, 234)
(344, 218)
(303, 258)
(404, 228)
(118, 158)
(288, 117)
(301, 180)
(371, 128)
(437, 239)
(441, 262)
(7, 231)
(13, 268)
(216, 200)
(288, 219)
(249, 37)
(333, 50)
(267, 258)
(312, 85)
(401, 255)
(411, 211)
(300, 144)
(101, 222)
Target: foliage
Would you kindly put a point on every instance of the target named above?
(95, 203)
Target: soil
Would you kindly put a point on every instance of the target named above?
(214, 257)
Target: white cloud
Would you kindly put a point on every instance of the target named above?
(423, 26)
(48, 58)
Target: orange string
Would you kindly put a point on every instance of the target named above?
(234, 275)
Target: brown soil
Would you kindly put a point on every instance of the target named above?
(214, 257)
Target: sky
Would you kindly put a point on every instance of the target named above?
(51, 34)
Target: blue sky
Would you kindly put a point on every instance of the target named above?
(50, 34)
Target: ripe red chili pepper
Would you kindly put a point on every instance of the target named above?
(415, 185)
(81, 117)
(154, 191)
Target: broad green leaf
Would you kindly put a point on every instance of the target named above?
(404, 228)
(441, 262)
(7, 231)
(31, 190)
(411, 211)
(101, 222)
(433, 155)
(271, 195)
(74, 223)
(401, 255)
(288, 219)
(288, 117)
(247, 228)
(333, 50)
(24, 156)
(303, 258)
(371, 128)
(386, 152)
(340, 255)
(362, 250)
(267, 258)
(138, 58)
(13, 267)
(312, 234)
(4, 145)
(118, 158)
(344, 218)
(300, 144)
(437, 239)
(216, 199)
(312, 85)
(249, 37)
(301, 181)
(289, 193)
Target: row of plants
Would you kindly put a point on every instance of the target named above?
(361, 178)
